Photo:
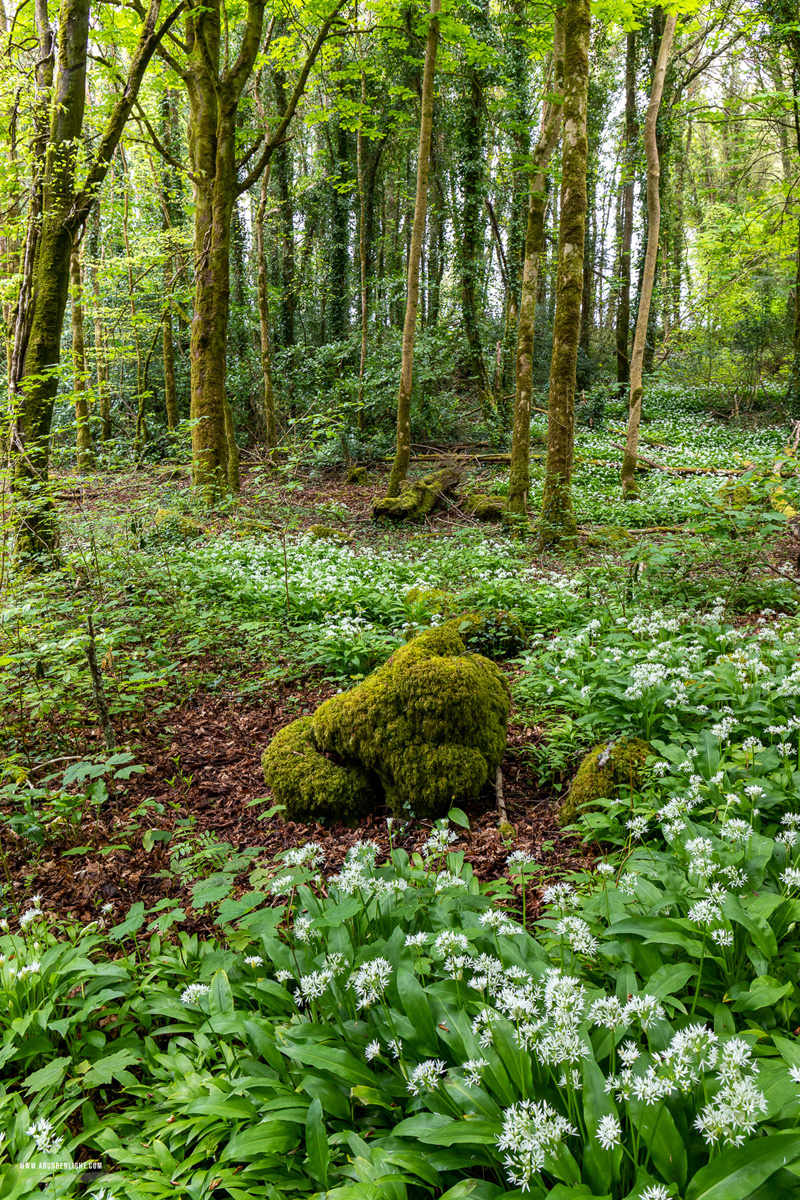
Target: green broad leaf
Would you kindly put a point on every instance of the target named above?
(760, 931)
(371, 1097)
(48, 1076)
(417, 1008)
(113, 1066)
(662, 1139)
(458, 817)
(132, 923)
(670, 979)
(340, 1063)
(231, 910)
(475, 1189)
(220, 998)
(662, 930)
(210, 891)
(600, 1165)
(269, 1139)
(739, 1170)
(573, 1191)
(764, 992)
(467, 1131)
(317, 1147)
(416, 1163)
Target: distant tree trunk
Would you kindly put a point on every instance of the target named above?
(282, 167)
(100, 351)
(558, 518)
(473, 176)
(270, 436)
(519, 480)
(403, 452)
(84, 443)
(651, 258)
(57, 215)
(629, 176)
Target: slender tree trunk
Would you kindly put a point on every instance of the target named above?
(285, 332)
(651, 258)
(629, 176)
(473, 175)
(84, 443)
(519, 480)
(270, 436)
(100, 351)
(558, 518)
(403, 452)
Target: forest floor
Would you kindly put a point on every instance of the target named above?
(204, 665)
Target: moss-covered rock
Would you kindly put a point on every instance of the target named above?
(309, 784)
(327, 533)
(495, 633)
(485, 508)
(602, 773)
(174, 526)
(425, 731)
(613, 536)
(356, 475)
(419, 498)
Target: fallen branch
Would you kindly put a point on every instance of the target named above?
(501, 804)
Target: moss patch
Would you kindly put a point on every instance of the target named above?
(174, 526)
(417, 499)
(602, 773)
(423, 732)
(356, 475)
(485, 508)
(327, 533)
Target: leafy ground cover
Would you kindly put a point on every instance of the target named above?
(201, 1000)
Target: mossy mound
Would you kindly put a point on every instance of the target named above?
(435, 600)
(604, 770)
(496, 634)
(423, 732)
(327, 533)
(356, 475)
(485, 508)
(419, 498)
(308, 783)
(174, 526)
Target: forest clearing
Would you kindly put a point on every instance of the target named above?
(400, 600)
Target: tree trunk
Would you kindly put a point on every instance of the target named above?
(84, 443)
(57, 215)
(651, 258)
(629, 174)
(285, 334)
(403, 451)
(558, 518)
(519, 479)
(473, 175)
(100, 351)
(270, 436)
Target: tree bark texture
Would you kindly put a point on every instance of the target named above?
(403, 451)
(629, 183)
(100, 350)
(651, 258)
(83, 438)
(270, 436)
(558, 518)
(519, 479)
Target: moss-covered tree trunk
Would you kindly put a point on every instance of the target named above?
(83, 437)
(558, 517)
(403, 451)
(628, 475)
(57, 215)
(629, 181)
(519, 479)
